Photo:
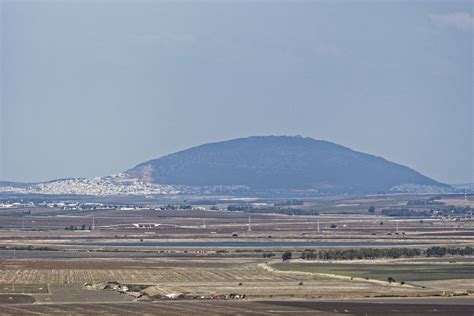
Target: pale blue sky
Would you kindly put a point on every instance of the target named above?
(96, 87)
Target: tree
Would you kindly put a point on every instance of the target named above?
(286, 255)
(371, 209)
(390, 279)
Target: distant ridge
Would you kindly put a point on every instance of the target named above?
(265, 163)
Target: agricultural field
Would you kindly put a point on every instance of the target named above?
(293, 307)
(15, 299)
(24, 289)
(130, 271)
(207, 276)
(383, 271)
(46, 268)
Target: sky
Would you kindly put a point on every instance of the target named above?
(91, 88)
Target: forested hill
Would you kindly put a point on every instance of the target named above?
(280, 162)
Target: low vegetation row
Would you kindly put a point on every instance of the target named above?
(445, 210)
(353, 254)
(394, 253)
(28, 248)
(271, 210)
(406, 213)
(295, 207)
(424, 202)
(443, 251)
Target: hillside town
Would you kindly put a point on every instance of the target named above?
(115, 185)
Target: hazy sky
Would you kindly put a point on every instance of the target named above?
(96, 87)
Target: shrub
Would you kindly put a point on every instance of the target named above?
(286, 255)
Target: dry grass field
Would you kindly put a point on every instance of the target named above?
(205, 276)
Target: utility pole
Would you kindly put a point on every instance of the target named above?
(204, 223)
(93, 222)
(250, 227)
(13, 280)
(318, 226)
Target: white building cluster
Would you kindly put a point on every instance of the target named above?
(96, 186)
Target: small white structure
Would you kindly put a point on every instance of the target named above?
(174, 296)
(146, 225)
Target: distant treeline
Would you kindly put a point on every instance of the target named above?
(457, 210)
(443, 210)
(204, 202)
(430, 201)
(406, 212)
(289, 203)
(15, 213)
(28, 248)
(354, 254)
(443, 251)
(271, 209)
(170, 207)
(72, 227)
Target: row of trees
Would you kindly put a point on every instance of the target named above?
(170, 207)
(429, 201)
(271, 210)
(443, 251)
(440, 210)
(359, 254)
(406, 212)
(72, 227)
(290, 203)
(368, 253)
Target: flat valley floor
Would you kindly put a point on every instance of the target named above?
(46, 269)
